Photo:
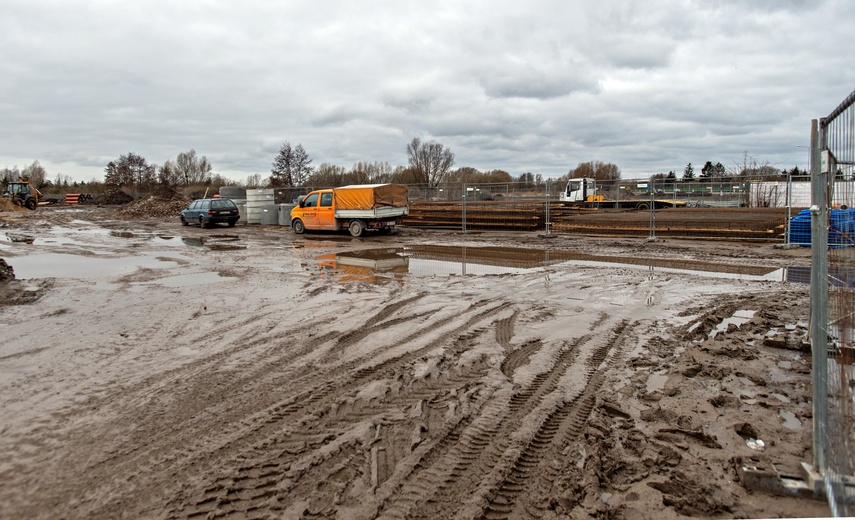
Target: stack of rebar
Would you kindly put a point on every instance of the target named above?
(531, 215)
(754, 223)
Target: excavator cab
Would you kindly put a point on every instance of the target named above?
(23, 194)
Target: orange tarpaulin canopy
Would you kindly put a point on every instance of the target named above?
(370, 196)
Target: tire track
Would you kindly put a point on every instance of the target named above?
(564, 424)
(520, 357)
(175, 430)
(481, 446)
(505, 331)
(307, 411)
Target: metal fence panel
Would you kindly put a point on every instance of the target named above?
(742, 208)
(833, 159)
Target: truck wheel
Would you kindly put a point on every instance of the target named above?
(642, 206)
(298, 226)
(31, 203)
(356, 228)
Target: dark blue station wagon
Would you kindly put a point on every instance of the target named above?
(210, 211)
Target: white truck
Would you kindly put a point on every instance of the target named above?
(583, 192)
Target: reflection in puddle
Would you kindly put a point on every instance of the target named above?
(437, 260)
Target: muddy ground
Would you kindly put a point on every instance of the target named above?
(150, 370)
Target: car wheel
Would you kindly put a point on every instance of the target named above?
(356, 228)
(202, 222)
(232, 223)
(183, 221)
(298, 226)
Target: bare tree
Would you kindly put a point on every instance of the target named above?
(327, 175)
(167, 175)
(10, 174)
(429, 162)
(35, 173)
(130, 170)
(365, 172)
(596, 170)
(253, 181)
(192, 169)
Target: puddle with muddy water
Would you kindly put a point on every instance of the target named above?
(100, 261)
(60, 265)
(438, 260)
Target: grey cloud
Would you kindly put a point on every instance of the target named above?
(539, 87)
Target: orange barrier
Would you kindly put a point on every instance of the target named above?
(72, 198)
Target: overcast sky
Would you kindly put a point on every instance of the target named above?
(535, 86)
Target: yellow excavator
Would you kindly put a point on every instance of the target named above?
(23, 193)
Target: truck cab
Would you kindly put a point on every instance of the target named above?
(580, 190)
(316, 211)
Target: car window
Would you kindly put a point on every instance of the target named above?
(311, 201)
(222, 204)
(326, 199)
(193, 205)
(204, 204)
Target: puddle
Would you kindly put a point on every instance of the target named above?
(791, 422)
(781, 397)
(187, 280)
(739, 318)
(656, 382)
(438, 260)
(59, 265)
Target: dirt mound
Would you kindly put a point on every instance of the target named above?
(113, 198)
(6, 205)
(7, 274)
(162, 204)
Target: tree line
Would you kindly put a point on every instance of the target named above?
(429, 163)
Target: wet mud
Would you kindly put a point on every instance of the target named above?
(283, 376)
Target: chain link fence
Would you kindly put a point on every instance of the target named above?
(833, 303)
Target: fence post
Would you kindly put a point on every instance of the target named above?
(789, 203)
(819, 299)
(547, 206)
(652, 237)
(463, 216)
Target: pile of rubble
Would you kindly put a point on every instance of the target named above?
(164, 203)
(7, 274)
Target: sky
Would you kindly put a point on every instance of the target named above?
(536, 86)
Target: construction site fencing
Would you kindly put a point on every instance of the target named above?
(747, 208)
(833, 304)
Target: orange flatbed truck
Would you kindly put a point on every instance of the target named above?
(358, 208)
